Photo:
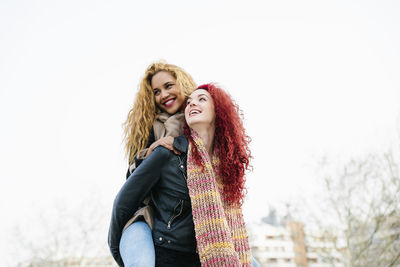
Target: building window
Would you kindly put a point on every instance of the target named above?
(272, 260)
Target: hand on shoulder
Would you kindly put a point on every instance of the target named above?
(167, 142)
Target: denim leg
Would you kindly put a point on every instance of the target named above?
(254, 261)
(136, 246)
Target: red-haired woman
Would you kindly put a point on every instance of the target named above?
(203, 187)
(218, 157)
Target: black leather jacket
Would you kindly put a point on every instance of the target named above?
(163, 174)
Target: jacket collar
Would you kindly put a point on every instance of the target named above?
(181, 143)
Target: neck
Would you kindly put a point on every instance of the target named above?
(207, 135)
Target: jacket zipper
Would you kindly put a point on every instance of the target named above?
(175, 216)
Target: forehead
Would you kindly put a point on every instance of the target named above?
(199, 92)
(160, 78)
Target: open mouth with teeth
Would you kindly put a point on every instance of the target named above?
(169, 102)
(194, 112)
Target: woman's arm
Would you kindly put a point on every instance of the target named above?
(167, 142)
(164, 129)
(132, 194)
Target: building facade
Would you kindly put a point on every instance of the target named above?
(288, 245)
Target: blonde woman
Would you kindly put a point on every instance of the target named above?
(155, 119)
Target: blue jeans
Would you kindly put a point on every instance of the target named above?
(136, 246)
(254, 262)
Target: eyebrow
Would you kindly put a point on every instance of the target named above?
(199, 96)
(163, 85)
(167, 83)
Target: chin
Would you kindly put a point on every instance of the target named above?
(195, 123)
(171, 111)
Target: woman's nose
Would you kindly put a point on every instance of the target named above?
(164, 94)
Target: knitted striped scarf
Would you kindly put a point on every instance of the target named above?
(221, 233)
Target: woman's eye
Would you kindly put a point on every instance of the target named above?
(202, 99)
(168, 85)
(156, 92)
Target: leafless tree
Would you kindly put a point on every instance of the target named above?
(362, 209)
(63, 235)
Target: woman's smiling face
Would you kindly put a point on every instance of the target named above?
(167, 94)
(200, 108)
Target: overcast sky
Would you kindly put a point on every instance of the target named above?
(312, 78)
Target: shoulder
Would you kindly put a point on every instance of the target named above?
(154, 162)
(181, 143)
(160, 153)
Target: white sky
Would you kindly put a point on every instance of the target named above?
(312, 77)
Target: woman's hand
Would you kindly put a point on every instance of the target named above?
(167, 142)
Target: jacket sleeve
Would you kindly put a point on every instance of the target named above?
(132, 194)
(139, 160)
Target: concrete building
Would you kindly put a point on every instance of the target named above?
(287, 245)
(321, 251)
(272, 245)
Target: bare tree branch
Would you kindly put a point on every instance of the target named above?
(365, 197)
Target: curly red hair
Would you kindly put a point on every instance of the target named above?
(231, 142)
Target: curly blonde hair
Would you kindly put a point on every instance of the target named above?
(140, 118)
